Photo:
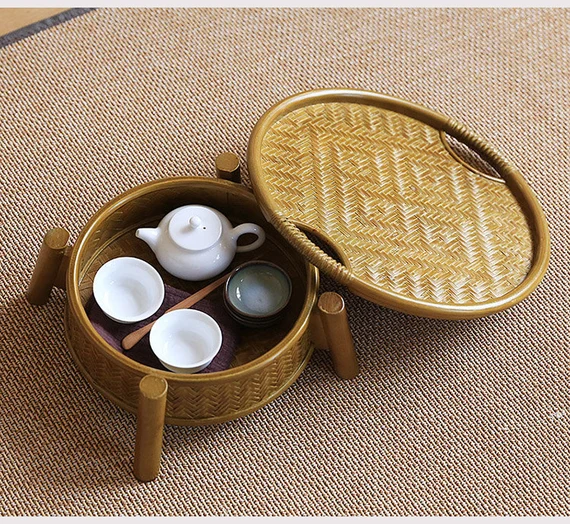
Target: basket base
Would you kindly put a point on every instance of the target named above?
(176, 421)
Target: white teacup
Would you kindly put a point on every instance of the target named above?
(128, 289)
(185, 340)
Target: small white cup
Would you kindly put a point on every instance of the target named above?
(128, 289)
(185, 340)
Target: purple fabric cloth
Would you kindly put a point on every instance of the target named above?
(113, 332)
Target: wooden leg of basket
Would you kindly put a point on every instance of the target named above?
(62, 273)
(317, 331)
(150, 425)
(337, 332)
(227, 167)
(47, 266)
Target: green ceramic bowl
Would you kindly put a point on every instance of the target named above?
(257, 292)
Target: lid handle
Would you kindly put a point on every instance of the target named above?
(313, 253)
(479, 146)
(195, 222)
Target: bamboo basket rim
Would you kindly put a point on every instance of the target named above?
(77, 309)
(341, 272)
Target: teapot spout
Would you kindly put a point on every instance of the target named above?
(149, 235)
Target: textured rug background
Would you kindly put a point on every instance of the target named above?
(445, 418)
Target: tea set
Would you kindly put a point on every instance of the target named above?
(194, 243)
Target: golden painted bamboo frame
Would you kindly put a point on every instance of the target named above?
(244, 389)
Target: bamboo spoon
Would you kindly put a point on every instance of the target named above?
(132, 338)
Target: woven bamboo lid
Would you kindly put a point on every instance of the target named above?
(416, 227)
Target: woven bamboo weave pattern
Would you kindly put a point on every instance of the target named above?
(189, 402)
(403, 212)
(446, 418)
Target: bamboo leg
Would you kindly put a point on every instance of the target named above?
(317, 331)
(338, 335)
(227, 167)
(62, 273)
(47, 266)
(150, 425)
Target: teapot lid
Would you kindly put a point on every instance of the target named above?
(195, 227)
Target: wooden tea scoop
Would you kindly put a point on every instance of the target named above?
(132, 338)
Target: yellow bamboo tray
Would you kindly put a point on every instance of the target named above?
(416, 225)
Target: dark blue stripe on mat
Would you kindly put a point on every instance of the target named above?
(32, 29)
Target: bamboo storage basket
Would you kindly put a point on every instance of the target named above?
(266, 362)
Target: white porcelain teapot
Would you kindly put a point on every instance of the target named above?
(197, 242)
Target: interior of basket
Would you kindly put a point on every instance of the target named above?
(115, 237)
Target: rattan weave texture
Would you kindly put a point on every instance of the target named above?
(405, 214)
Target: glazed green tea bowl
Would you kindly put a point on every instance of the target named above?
(256, 293)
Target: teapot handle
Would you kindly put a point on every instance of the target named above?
(242, 229)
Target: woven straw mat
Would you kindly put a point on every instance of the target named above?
(445, 417)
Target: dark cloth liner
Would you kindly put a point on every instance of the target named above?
(113, 332)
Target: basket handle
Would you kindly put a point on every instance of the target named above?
(481, 147)
(51, 266)
(313, 253)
